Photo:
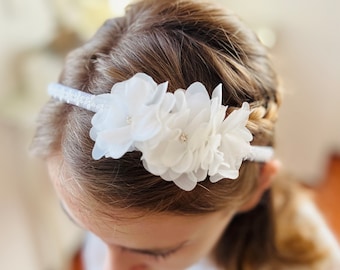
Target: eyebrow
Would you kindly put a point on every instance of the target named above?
(157, 250)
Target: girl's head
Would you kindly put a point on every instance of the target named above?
(180, 42)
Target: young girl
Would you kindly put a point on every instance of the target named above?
(159, 139)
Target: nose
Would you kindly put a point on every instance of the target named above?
(118, 260)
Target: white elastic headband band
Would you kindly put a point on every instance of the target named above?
(183, 136)
(73, 96)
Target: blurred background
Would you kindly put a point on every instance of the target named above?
(35, 36)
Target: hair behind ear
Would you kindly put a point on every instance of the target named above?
(268, 235)
(268, 171)
(249, 239)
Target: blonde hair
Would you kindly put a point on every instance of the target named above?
(181, 42)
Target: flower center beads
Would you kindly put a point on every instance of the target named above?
(183, 138)
(129, 120)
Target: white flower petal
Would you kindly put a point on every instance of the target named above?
(199, 118)
(215, 178)
(217, 93)
(117, 151)
(181, 102)
(199, 137)
(170, 175)
(97, 152)
(197, 98)
(183, 136)
(173, 153)
(197, 89)
(158, 94)
(201, 175)
(154, 169)
(185, 164)
(148, 79)
(238, 117)
(93, 133)
(185, 182)
(146, 127)
(167, 104)
(116, 142)
(230, 174)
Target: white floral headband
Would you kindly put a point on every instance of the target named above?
(183, 136)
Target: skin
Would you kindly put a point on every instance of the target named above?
(161, 241)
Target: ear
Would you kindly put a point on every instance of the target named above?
(268, 171)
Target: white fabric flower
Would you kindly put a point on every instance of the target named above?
(195, 138)
(183, 136)
(184, 133)
(234, 147)
(129, 115)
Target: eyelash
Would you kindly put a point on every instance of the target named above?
(160, 256)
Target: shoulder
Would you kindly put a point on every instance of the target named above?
(303, 236)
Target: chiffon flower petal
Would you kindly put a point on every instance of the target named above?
(130, 115)
(183, 136)
(186, 182)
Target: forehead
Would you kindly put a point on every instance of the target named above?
(127, 227)
(151, 230)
